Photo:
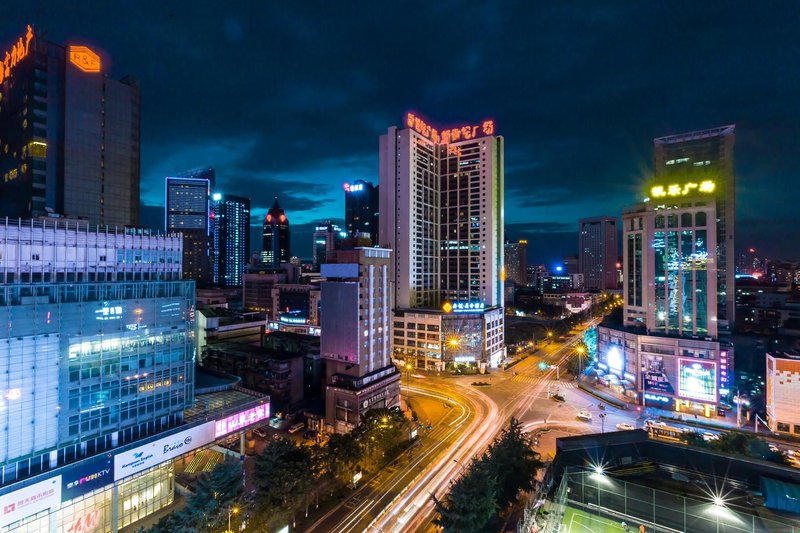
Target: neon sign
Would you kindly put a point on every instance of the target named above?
(356, 187)
(83, 58)
(448, 135)
(473, 306)
(661, 191)
(697, 380)
(18, 52)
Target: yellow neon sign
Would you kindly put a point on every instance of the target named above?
(84, 58)
(18, 52)
(446, 136)
(662, 191)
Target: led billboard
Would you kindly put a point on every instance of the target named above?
(697, 380)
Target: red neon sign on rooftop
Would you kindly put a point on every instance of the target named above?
(448, 135)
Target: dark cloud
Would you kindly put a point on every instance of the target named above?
(288, 99)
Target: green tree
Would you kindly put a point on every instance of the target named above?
(285, 475)
(693, 438)
(513, 462)
(470, 506)
(341, 456)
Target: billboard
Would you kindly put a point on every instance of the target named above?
(132, 461)
(240, 420)
(697, 380)
(87, 476)
(30, 500)
(656, 381)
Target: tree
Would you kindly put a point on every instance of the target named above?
(341, 456)
(470, 506)
(513, 462)
(693, 438)
(285, 475)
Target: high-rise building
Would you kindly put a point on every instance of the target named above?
(326, 238)
(356, 328)
(275, 244)
(188, 210)
(597, 257)
(99, 395)
(70, 134)
(749, 263)
(571, 264)
(441, 205)
(516, 262)
(702, 162)
(361, 209)
(231, 238)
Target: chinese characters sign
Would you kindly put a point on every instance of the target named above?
(448, 135)
(662, 191)
(697, 380)
(241, 420)
(18, 52)
(83, 58)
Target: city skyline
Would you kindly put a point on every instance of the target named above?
(566, 162)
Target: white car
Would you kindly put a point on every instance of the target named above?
(654, 422)
(625, 427)
(583, 414)
(708, 437)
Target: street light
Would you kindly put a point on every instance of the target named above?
(580, 350)
(408, 379)
(231, 511)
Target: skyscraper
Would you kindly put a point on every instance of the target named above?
(356, 322)
(327, 237)
(231, 218)
(188, 210)
(275, 243)
(70, 134)
(597, 257)
(441, 205)
(361, 200)
(702, 162)
(516, 262)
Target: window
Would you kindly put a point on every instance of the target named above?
(700, 219)
(783, 426)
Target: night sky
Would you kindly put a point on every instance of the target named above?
(288, 99)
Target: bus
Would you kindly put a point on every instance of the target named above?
(665, 433)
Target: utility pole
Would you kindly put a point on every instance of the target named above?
(738, 409)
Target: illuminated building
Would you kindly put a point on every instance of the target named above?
(441, 205)
(516, 262)
(361, 209)
(188, 210)
(750, 264)
(295, 308)
(327, 237)
(597, 257)
(782, 392)
(275, 244)
(700, 163)
(356, 321)
(231, 235)
(70, 134)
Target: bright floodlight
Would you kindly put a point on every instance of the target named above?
(718, 501)
(598, 469)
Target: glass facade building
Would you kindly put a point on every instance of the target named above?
(231, 239)
(188, 210)
(361, 209)
(276, 245)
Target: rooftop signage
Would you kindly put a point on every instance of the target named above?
(84, 58)
(686, 189)
(18, 52)
(448, 135)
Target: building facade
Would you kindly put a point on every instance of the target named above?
(188, 210)
(516, 262)
(356, 332)
(441, 205)
(597, 258)
(361, 199)
(70, 135)
(702, 163)
(231, 239)
(327, 237)
(275, 244)
(782, 391)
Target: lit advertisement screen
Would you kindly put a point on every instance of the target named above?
(241, 420)
(697, 380)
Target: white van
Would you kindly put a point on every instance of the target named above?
(297, 427)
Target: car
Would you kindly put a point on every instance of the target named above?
(583, 414)
(558, 398)
(773, 448)
(297, 427)
(622, 426)
(654, 422)
(708, 437)
(260, 433)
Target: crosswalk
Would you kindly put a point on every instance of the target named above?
(537, 380)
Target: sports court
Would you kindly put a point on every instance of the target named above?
(577, 521)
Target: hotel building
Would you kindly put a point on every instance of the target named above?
(441, 206)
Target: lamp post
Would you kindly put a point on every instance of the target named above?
(408, 379)
(580, 350)
(231, 511)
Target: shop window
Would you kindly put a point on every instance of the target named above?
(797, 428)
(783, 426)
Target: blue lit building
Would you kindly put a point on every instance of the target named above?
(231, 238)
(361, 209)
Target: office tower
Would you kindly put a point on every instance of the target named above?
(188, 210)
(670, 275)
(516, 262)
(356, 327)
(231, 236)
(571, 264)
(441, 205)
(70, 135)
(275, 244)
(702, 162)
(327, 237)
(361, 200)
(597, 257)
